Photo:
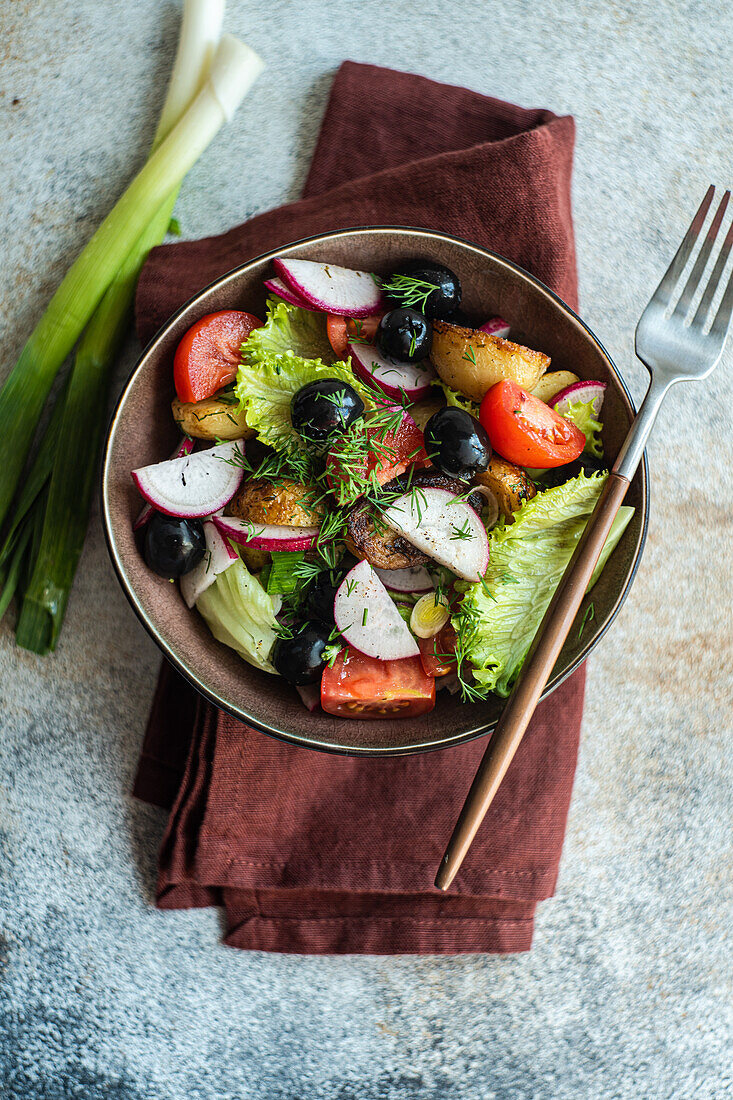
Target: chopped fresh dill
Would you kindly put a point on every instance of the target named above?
(461, 533)
(469, 355)
(409, 291)
(590, 614)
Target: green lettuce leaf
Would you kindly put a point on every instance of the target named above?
(277, 360)
(498, 619)
(454, 398)
(240, 614)
(288, 329)
(581, 414)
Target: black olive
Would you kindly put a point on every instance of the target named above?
(457, 443)
(322, 593)
(404, 336)
(324, 409)
(558, 475)
(173, 546)
(439, 303)
(299, 659)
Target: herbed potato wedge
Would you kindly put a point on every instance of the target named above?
(472, 362)
(423, 410)
(214, 418)
(283, 502)
(553, 383)
(254, 558)
(509, 483)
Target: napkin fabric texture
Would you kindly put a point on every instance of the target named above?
(318, 854)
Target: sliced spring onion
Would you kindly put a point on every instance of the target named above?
(281, 578)
(429, 615)
(234, 68)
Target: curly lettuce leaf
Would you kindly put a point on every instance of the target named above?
(454, 398)
(498, 618)
(274, 367)
(582, 415)
(240, 614)
(288, 329)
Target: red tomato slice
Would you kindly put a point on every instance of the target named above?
(390, 455)
(341, 329)
(436, 652)
(362, 687)
(525, 430)
(208, 355)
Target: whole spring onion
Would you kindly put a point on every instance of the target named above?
(53, 557)
(234, 68)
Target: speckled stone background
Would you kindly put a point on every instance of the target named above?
(627, 991)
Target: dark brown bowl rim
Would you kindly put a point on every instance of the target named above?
(252, 720)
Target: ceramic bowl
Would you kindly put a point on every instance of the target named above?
(142, 431)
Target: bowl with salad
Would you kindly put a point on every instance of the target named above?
(343, 482)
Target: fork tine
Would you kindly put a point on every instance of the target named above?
(721, 324)
(714, 281)
(701, 262)
(669, 280)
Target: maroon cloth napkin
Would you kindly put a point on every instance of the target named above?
(314, 853)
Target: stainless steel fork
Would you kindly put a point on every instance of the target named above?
(675, 347)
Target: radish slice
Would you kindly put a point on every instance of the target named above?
(496, 326)
(396, 380)
(333, 289)
(367, 618)
(579, 391)
(184, 448)
(263, 536)
(414, 579)
(219, 556)
(310, 696)
(277, 286)
(195, 484)
(443, 526)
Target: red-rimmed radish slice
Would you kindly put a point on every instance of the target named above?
(330, 288)
(586, 392)
(310, 696)
(443, 526)
(195, 484)
(368, 619)
(184, 448)
(397, 380)
(219, 556)
(263, 536)
(496, 326)
(414, 579)
(278, 287)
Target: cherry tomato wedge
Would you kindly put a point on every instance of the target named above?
(390, 454)
(437, 653)
(362, 687)
(342, 329)
(523, 429)
(208, 355)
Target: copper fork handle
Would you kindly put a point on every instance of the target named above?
(538, 666)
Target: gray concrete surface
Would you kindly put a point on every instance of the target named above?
(627, 991)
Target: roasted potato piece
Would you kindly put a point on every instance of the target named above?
(254, 558)
(423, 410)
(472, 362)
(214, 418)
(551, 384)
(283, 502)
(509, 483)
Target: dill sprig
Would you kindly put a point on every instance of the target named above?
(410, 292)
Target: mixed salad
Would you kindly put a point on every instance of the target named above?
(373, 494)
